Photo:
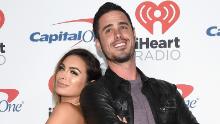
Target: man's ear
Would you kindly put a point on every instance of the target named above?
(98, 45)
(134, 32)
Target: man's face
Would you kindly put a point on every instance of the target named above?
(116, 37)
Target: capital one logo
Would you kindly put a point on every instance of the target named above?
(213, 31)
(2, 18)
(11, 93)
(167, 12)
(77, 36)
(88, 20)
(7, 105)
(186, 90)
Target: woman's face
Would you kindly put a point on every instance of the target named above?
(71, 77)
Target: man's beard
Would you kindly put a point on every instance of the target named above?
(121, 58)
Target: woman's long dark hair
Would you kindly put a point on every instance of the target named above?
(92, 66)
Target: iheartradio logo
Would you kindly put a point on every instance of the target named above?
(2, 18)
(167, 12)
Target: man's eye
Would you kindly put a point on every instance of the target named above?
(107, 30)
(124, 27)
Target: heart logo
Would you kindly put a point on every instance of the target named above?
(2, 18)
(147, 13)
(51, 83)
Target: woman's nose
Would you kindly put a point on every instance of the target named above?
(63, 75)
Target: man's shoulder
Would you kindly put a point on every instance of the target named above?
(159, 81)
(95, 87)
(94, 92)
(161, 84)
(97, 83)
(154, 81)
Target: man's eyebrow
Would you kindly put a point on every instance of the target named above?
(120, 23)
(109, 25)
(123, 23)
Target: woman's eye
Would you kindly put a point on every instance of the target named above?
(74, 72)
(61, 67)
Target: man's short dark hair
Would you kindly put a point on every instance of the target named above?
(105, 8)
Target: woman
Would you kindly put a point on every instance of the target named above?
(73, 71)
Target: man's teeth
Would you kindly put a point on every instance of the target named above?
(120, 44)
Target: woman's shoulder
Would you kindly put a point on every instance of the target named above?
(66, 113)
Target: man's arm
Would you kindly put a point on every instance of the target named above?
(96, 104)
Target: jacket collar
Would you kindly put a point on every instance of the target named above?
(117, 81)
(144, 78)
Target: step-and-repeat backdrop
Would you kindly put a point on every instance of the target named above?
(177, 41)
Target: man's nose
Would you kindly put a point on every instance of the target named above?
(117, 33)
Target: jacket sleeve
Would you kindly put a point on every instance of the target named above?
(184, 115)
(96, 106)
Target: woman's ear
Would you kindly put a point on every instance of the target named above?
(92, 81)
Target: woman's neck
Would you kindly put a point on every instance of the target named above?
(72, 100)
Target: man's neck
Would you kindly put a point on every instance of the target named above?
(125, 70)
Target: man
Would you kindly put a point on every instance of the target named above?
(124, 94)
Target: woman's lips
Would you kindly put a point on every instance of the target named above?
(62, 85)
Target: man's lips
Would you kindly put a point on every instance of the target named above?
(119, 44)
